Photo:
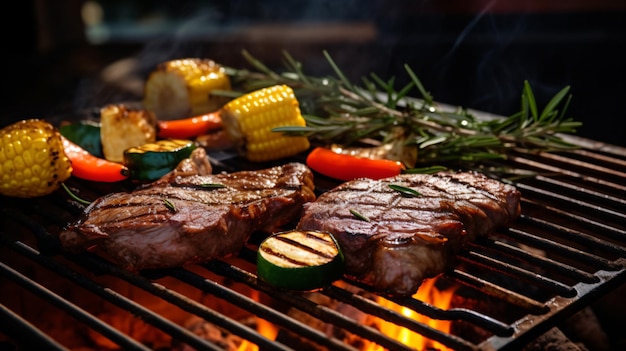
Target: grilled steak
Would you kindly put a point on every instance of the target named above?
(189, 216)
(393, 240)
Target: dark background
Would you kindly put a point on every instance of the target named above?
(474, 54)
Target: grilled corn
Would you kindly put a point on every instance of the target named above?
(182, 88)
(32, 160)
(249, 120)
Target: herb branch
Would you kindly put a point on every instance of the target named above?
(338, 111)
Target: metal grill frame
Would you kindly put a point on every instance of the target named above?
(589, 180)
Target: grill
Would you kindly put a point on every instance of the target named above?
(567, 250)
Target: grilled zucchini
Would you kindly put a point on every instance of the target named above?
(300, 260)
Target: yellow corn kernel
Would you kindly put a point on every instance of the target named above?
(182, 88)
(32, 160)
(249, 120)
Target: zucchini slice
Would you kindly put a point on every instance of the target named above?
(153, 160)
(300, 260)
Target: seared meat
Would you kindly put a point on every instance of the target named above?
(187, 217)
(392, 241)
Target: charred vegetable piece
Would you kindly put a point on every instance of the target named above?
(300, 260)
(85, 134)
(348, 167)
(249, 120)
(32, 159)
(182, 88)
(153, 160)
(123, 127)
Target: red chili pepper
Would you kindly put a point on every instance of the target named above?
(189, 127)
(89, 167)
(347, 167)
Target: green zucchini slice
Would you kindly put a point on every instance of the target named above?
(300, 260)
(153, 160)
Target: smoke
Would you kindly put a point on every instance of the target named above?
(471, 54)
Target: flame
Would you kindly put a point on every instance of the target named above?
(264, 328)
(427, 293)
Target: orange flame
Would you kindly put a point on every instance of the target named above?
(427, 293)
(264, 328)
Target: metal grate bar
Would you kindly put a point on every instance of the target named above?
(562, 249)
(373, 308)
(606, 158)
(597, 209)
(182, 302)
(605, 171)
(498, 291)
(515, 271)
(258, 309)
(26, 333)
(321, 312)
(606, 199)
(539, 261)
(573, 174)
(480, 320)
(75, 311)
(585, 206)
(582, 238)
(127, 304)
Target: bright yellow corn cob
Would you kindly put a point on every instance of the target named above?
(32, 160)
(182, 88)
(249, 120)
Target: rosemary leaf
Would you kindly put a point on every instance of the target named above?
(425, 170)
(426, 95)
(338, 72)
(212, 186)
(532, 104)
(358, 215)
(405, 191)
(74, 196)
(169, 205)
(553, 103)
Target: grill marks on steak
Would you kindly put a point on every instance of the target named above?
(178, 219)
(408, 239)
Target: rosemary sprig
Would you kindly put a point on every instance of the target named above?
(341, 112)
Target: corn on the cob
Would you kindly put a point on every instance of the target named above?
(249, 120)
(122, 127)
(182, 88)
(32, 160)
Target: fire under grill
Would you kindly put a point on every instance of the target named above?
(567, 250)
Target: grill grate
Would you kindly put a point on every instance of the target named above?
(566, 250)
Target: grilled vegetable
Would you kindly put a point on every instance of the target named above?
(300, 260)
(347, 167)
(85, 134)
(153, 160)
(249, 120)
(32, 160)
(189, 127)
(123, 127)
(182, 88)
(89, 167)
